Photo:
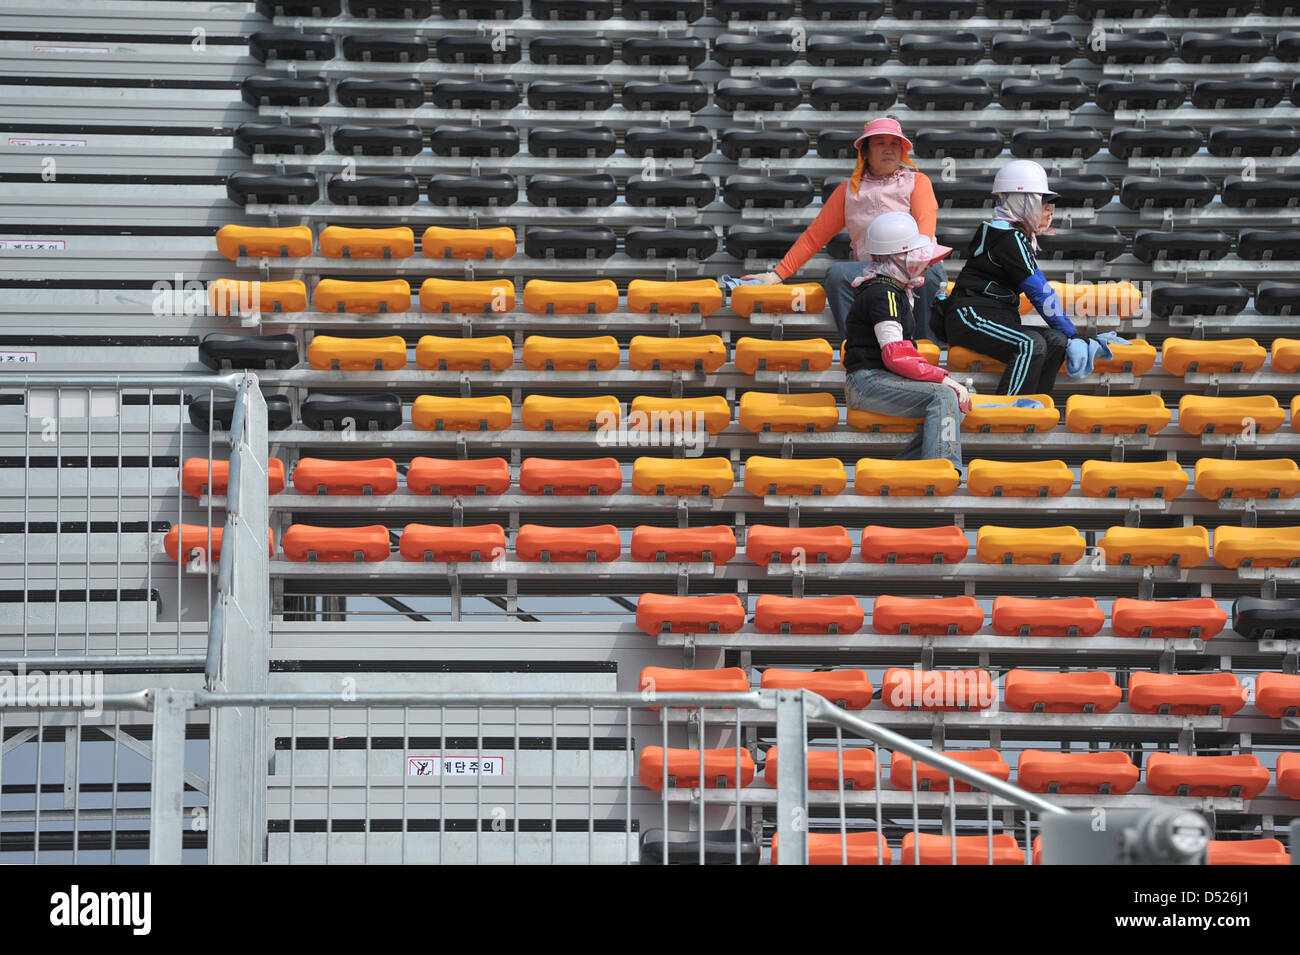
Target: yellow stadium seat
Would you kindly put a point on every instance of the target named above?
(929, 351)
(1156, 546)
(1164, 479)
(435, 413)
(1136, 357)
(570, 298)
(544, 413)
(1285, 356)
(292, 241)
(805, 412)
(646, 297)
(1217, 477)
(891, 478)
(1019, 478)
(1025, 545)
(711, 476)
(765, 475)
(1178, 356)
(874, 422)
(340, 242)
(232, 297)
(1091, 299)
(695, 353)
(1257, 546)
(1133, 414)
(439, 353)
(651, 413)
(1198, 414)
(759, 354)
(964, 359)
(778, 299)
(991, 413)
(357, 354)
(337, 295)
(1295, 413)
(598, 353)
(443, 243)
(453, 296)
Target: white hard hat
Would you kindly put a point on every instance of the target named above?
(1023, 175)
(893, 232)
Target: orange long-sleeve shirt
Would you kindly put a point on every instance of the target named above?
(830, 222)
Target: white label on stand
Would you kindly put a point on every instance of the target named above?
(455, 765)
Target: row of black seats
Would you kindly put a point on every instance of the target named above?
(732, 94)
(692, 10)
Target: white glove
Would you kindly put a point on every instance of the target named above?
(765, 278)
(963, 396)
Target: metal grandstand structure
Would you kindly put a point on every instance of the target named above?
(258, 707)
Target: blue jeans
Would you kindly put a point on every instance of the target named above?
(839, 293)
(882, 391)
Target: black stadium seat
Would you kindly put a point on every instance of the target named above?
(726, 10)
(693, 190)
(361, 412)
(764, 143)
(1083, 192)
(244, 188)
(1115, 95)
(392, 9)
(1208, 298)
(581, 95)
(665, 51)
(572, 50)
(299, 8)
(934, 9)
(1258, 93)
(760, 242)
(385, 48)
(843, 9)
(597, 189)
(400, 190)
(1219, 9)
(1025, 9)
(253, 138)
(1277, 298)
(1265, 244)
(1275, 193)
(405, 140)
(481, 9)
(1116, 9)
(767, 192)
(494, 190)
(1144, 46)
(1253, 618)
(284, 91)
(965, 192)
(572, 9)
(694, 242)
(688, 10)
(220, 351)
(1085, 243)
(288, 45)
(577, 143)
(976, 142)
(1051, 46)
(955, 94)
(683, 847)
(1286, 45)
(939, 49)
(770, 94)
(854, 95)
(764, 49)
(1275, 139)
(682, 142)
(474, 141)
(479, 49)
(1162, 141)
(1166, 192)
(1279, 8)
(688, 95)
(1152, 245)
(869, 49)
(586, 242)
(221, 412)
(1062, 92)
(476, 94)
(1239, 46)
(1062, 142)
(838, 143)
(380, 94)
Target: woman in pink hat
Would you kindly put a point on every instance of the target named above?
(884, 180)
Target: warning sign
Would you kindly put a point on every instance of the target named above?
(455, 765)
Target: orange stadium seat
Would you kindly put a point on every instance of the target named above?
(890, 478)
(1288, 774)
(699, 544)
(544, 413)
(439, 242)
(195, 476)
(1137, 357)
(1170, 774)
(914, 545)
(483, 542)
(436, 413)
(1022, 545)
(875, 423)
(1133, 414)
(592, 477)
(926, 615)
(190, 539)
(336, 544)
(647, 297)
(760, 354)
(1179, 356)
(317, 476)
(966, 359)
(1247, 852)
(1185, 694)
(773, 614)
(780, 299)
(654, 414)
(855, 848)
(1285, 355)
(1195, 617)
(937, 690)
(231, 297)
(340, 242)
(1217, 478)
(1047, 617)
(690, 476)
(1256, 546)
(971, 850)
(683, 768)
(1295, 413)
(856, 767)
(1278, 694)
(1156, 546)
(816, 411)
(661, 613)
(455, 296)
(337, 295)
(1018, 478)
(439, 476)
(1107, 771)
(387, 353)
(695, 353)
(928, 349)
(439, 353)
(598, 353)
(1091, 691)
(850, 689)
(990, 413)
(764, 475)
(655, 680)
(601, 543)
(765, 544)
(293, 242)
(1163, 479)
(570, 298)
(987, 761)
(1198, 414)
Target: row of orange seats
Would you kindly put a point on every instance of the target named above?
(1177, 356)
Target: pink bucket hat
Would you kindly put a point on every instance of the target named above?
(885, 126)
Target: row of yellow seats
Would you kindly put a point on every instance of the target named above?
(1178, 356)
(340, 242)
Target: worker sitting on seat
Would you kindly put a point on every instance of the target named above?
(884, 371)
